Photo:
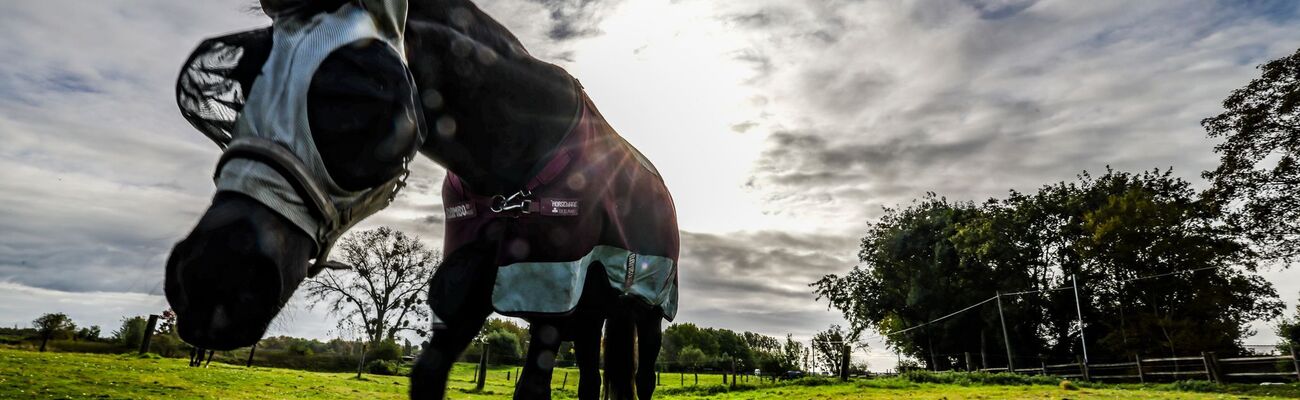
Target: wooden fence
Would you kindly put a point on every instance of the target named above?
(1208, 366)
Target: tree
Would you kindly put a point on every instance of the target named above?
(382, 294)
(91, 333)
(691, 357)
(1158, 272)
(503, 346)
(131, 332)
(1289, 331)
(915, 269)
(828, 349)
(52, 326)
(1259, 171)
(791, 354)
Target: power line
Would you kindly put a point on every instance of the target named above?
(1037, 291)
(944, 317)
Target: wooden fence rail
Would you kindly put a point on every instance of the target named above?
(1208, 366)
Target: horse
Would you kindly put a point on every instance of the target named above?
(550, 215)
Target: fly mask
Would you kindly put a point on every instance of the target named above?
(248, 93)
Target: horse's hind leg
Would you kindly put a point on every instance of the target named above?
(586, 348)
(535, 379)
(648, 337)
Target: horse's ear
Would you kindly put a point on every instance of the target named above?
(216, 78)
(390, 16)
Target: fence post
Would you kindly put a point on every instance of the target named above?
(1083, 368)
(1210, 374)
(968, 367)
(1011, 363)
(482, 367)
(250, 355)
(844, 362)
(1218, 369)
(1295, 361)
(1142, 377)
(148, 333)
(1042, 363)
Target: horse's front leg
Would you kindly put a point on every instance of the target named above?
(535, 379)
(586, 349)
(460, 293)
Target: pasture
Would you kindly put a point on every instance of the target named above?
(26, 374)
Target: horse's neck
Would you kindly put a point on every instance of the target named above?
(494, 112)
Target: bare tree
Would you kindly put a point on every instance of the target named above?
(383, 293)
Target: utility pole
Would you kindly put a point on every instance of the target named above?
(1079, 309)
(1011, 362)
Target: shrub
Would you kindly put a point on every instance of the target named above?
(382, 367)
(977, 378)
(385, 350)
(502, 346)
(1194, 386)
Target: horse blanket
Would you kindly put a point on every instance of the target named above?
(597, 203)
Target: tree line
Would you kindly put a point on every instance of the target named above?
(1161, 268)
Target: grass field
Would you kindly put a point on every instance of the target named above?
(25, 374)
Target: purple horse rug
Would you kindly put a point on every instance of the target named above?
(596, 203)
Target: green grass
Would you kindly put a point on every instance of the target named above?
(26, 374)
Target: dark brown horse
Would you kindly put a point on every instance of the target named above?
(474, 101)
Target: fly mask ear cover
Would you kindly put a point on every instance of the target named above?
(272, 156)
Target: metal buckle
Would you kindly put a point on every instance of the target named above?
(517, 201)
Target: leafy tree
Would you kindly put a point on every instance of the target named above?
(382, 294)
(1289, 331)
(131, 332)
(91, 333)
(503, 346)
(792, 354)
(922, 262)
(691, 357)
(828, 349)
(1259, 171)
(53, 326)
(914, 269)
(680, 336)
(387, 350)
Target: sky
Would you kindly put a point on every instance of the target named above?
(781, 127)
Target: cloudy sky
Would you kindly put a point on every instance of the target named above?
(782, 128)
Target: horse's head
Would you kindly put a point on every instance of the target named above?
(229, 278)
(284, 193)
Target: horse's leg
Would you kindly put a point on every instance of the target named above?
(586, 349)
(460, 293)
(648, 338)
(620, 335)
(535, 379)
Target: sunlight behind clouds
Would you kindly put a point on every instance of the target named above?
(667, 78)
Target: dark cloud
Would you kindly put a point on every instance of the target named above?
(998, 9)
(574, 19)
(766, 270)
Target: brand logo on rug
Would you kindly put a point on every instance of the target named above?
(560, 207)
(458, 211)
